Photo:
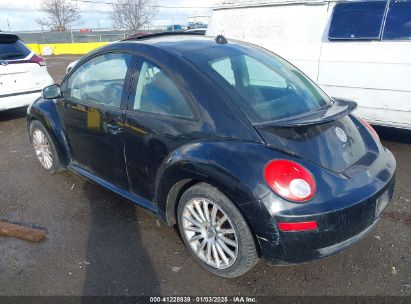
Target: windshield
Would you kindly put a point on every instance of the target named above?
(12, 48)
(267, 87)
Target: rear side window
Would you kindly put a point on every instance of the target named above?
(157, 93)
(12, 48)
(398, 22)
(357, 20)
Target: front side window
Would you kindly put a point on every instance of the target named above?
(157, 93)
(269, 88)
(398, 22)
(100, 80)
(357, 20)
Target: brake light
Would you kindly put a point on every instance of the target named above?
(298, 226)
(370, 128)
(34, 59)
(290, 180)
(37, 59)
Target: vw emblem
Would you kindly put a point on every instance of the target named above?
(341, 134)
(3, 62)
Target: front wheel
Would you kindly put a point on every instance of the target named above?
(215, 232)
(44, 147)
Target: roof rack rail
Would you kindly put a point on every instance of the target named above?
(160, 34)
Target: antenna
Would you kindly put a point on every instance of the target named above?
(220, 39)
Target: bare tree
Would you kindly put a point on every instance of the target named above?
(133, 14)
(59, 14)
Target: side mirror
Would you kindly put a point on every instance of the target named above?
(51, 92)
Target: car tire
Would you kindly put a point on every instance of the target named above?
(199, 236)
(44, 147)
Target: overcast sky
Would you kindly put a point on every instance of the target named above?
(22, 14)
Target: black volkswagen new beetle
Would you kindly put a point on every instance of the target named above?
(224, 139)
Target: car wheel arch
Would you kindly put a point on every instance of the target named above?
(173, 197)
(59, 149)
(167, 201)
(178, 190)
(49, 118)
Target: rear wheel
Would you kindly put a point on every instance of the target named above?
(215, 232)
(44, 147)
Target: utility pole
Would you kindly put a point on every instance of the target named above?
(8, 24)
(42, 32)
(98, 28)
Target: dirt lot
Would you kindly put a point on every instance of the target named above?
(100, 244)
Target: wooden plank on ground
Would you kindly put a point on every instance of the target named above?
(22, 232)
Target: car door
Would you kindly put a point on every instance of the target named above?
(92, 111)
(159, 119)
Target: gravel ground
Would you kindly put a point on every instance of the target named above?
(100, 244)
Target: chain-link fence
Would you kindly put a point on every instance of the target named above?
(74, 36)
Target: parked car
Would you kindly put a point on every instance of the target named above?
(23, 74)
(131, 36)
(71, 65)
(353, 49)
(200, 31)
(175, 27)
(137, 34)
(227, 140)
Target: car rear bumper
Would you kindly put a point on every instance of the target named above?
(17, 100)
(336, 231)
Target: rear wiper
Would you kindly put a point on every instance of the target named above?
(11, 55)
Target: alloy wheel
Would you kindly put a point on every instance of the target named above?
(42, 149)
(210, 233)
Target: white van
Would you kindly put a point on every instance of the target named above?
(359, 50)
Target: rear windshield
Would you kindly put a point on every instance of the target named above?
(12, 48)
(267, 87)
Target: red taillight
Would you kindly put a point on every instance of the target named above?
(34, 59)
(370, 128)
(298, 226)
(37, 59)
(290, 180)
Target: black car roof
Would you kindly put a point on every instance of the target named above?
(176, 43)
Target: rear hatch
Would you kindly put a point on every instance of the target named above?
(288, 109)
(328, 137)
(17, 73)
